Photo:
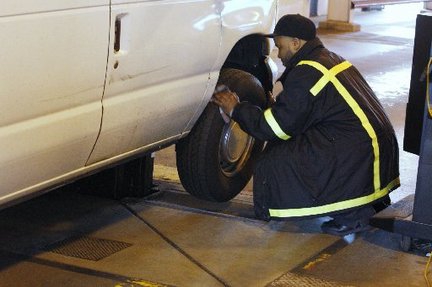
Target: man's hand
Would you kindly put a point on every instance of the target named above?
(226, 100)
(271, 98)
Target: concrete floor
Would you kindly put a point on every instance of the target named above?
(67, 238)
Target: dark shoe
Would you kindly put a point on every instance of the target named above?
(382, 204)
(334, 228)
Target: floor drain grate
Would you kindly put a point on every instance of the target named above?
(85, 247)
(296, 280)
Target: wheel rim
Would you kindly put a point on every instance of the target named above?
(235, 149)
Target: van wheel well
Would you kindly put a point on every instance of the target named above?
(250, 55)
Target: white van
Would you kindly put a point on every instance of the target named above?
(86, 84)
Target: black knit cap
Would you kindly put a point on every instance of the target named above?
(296, 26)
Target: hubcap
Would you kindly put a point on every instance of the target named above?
(235, 149)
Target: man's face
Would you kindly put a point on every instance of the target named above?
(287, 47)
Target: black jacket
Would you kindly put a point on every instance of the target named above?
(330, 145)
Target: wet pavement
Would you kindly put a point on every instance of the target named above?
(67, 238)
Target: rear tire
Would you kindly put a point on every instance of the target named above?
(216, 160)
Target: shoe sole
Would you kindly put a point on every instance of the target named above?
(355, 230)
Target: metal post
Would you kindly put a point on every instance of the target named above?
(339, 17)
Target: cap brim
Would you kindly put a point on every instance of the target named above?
(270, 35)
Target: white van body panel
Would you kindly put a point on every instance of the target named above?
(52, 75)
(157, 79)
(71, 103)
(22, 7)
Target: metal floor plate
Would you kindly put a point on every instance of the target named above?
(294, 280)
(85, 247)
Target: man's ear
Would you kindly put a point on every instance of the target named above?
(296, 43)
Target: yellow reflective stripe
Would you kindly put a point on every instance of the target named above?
(328, 75)
(357, 111)
(369, 129)
(139, 282)
(378, 193)
(268, 115)
(428, 90)
(308, 211)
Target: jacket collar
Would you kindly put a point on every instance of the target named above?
(302, 54)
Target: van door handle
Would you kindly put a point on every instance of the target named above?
(117, 34)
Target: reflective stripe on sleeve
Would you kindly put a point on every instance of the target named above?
(268, 115)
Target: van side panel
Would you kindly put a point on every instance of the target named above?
(52, 72)
(160, 72)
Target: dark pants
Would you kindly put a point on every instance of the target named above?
(362, 214)
(355, 217)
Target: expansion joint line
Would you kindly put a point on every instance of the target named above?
(175, 246)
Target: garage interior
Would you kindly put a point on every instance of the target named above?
(72, 237)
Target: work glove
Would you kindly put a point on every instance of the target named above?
(226, 100)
